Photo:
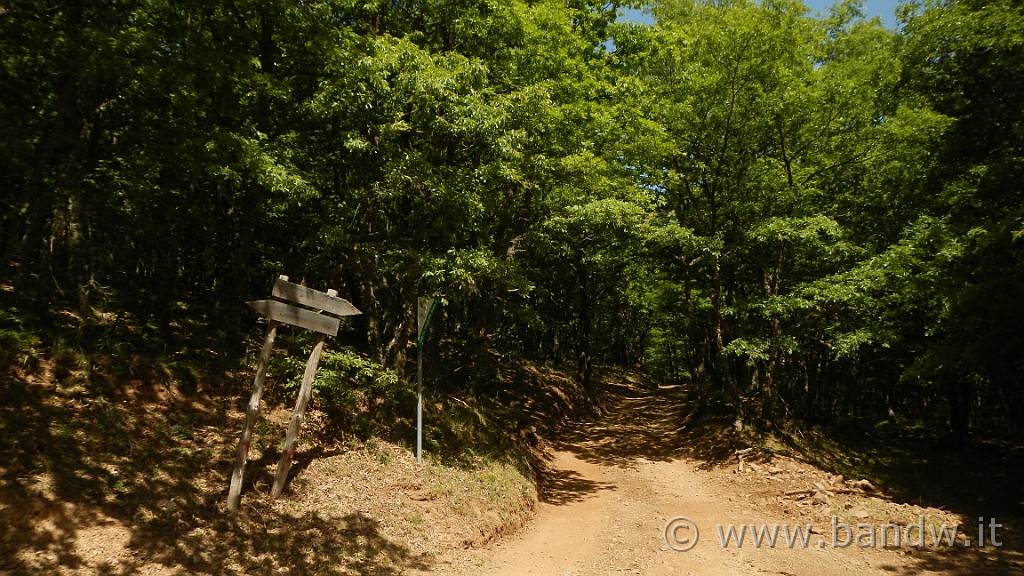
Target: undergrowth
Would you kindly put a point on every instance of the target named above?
(17, 340)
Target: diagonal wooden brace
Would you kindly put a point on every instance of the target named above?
(305, 392)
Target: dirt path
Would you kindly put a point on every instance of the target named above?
(615, 484)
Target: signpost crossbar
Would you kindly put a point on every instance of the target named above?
(326, 302)
(295, 316)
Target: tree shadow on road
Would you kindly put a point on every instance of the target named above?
(642, 421)
(561, 487)
(988, 561)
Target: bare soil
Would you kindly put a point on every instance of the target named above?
(133, 481)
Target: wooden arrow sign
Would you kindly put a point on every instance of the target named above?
(288, 314)
(300, 294)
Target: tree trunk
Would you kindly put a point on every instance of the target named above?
(958, 391)
(584, 367)
(389, 309)
(696, 339)
(724, 368)
(53, 253)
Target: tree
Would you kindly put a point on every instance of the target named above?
(965, 58)
(780, 134)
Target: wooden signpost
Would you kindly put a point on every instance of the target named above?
(322, 319)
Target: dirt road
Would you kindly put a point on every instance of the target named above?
(616, 483)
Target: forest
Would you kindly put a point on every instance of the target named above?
(803, 219)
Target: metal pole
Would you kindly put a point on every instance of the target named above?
(419, 403)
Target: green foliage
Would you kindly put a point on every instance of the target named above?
(360, 397)
(346, 369)
(804, 216)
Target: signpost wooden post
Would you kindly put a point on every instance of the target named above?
(325, 323)
(242, 454)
